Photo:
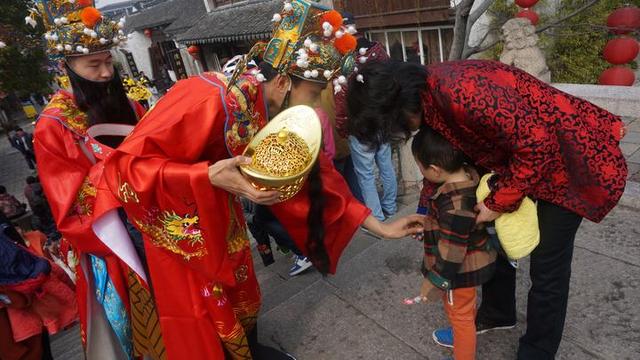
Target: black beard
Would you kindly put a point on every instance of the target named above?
(103, 101)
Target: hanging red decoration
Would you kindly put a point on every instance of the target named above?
(624, 20)
(148, 33)
(621, 50)
(617, 75)
(526, 3)
(529, 14)
(193, 50)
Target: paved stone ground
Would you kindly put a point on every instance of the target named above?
(358, 314)
(13, 166)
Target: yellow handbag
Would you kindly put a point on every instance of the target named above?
(518, 231)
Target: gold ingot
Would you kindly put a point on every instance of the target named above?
(296, 130)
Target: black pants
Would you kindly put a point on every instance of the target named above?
(259, 351)
(263, 226)
(550, 275)
(31, 159)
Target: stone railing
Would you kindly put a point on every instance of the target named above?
(620, 100)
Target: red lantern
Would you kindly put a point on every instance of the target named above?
(617, 75)
(148, 33)
(621, 50)
(624, 20)
(194, 50)
(529, 14)
(526, 3)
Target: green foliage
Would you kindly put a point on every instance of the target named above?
(23, 62)
(502, 10)
(575, 54)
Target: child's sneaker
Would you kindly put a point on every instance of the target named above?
(300, 264)
(443, 337)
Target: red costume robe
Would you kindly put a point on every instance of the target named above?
(541, 142)
(74, 189)
(195, 236)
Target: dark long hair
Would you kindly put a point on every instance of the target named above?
(379, 107)
(104, 102)
(315, 247)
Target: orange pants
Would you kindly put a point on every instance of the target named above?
(460, 306)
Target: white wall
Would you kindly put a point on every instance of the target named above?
(208, 5)
(188, 61)
(138, 44)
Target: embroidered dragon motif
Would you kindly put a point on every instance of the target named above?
(170, 230)
(181, 228)
(85, 199)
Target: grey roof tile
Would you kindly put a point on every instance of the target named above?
(177, 15)
(247, 20)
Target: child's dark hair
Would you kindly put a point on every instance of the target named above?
(431, 148)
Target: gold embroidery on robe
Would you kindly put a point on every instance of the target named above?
(76, 119)
(85, 199)
(170, 230)
(126, 192)
(237, 238)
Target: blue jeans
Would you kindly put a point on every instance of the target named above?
(364, 159)
(346, 169)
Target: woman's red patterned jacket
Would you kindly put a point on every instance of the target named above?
(542, 142)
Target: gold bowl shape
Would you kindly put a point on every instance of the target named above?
(293, 124)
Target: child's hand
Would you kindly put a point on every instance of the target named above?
(485, 214)
(428, 293)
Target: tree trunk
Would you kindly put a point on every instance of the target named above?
(460, 29)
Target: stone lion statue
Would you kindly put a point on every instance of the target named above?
(521, 48)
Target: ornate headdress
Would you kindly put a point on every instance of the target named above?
(309, 41)
(75, 27)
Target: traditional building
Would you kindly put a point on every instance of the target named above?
(411, 30)
(230, 28)
(152, 47)
(124, 8)
(419, 31)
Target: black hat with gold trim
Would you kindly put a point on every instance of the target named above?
(75, 27)
(309, 41)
